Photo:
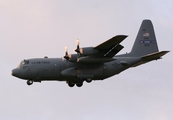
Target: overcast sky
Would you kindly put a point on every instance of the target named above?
(38, 28)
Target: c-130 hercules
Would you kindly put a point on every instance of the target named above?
(92, 63)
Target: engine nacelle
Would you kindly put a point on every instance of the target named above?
(88, 51)
(73, 57)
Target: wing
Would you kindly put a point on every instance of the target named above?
(110, 47)
(103, 52)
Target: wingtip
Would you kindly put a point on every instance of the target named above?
(122, 35)
(166, 51)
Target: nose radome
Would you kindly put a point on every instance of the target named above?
(15, 72)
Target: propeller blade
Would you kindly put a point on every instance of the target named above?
(66, 50)
(77, 44)
(66, 53)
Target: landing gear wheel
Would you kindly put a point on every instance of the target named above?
(79, 84)
(70, 84)
(88, 80)
(29, 82)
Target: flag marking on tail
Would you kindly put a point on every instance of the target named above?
(147, 42)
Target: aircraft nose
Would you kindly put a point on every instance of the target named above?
(15, 72)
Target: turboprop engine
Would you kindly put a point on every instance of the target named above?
(86, 51)
(70, 57)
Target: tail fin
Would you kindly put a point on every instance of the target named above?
(145, 42)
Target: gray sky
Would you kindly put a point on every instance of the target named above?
(36, 28)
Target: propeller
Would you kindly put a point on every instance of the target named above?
(66, 56)
(66, 53)
(78, 48)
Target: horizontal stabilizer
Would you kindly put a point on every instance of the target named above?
(150, 57)
(154, 56)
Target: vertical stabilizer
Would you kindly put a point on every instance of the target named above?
(145, 42)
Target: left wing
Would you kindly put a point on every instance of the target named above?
(105, 51)
(99, 54)
(110, 47)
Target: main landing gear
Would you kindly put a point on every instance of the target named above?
(79, 82)
(71, 84)
(29, 82)
(88, 80)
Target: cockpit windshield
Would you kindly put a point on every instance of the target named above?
(23, 62)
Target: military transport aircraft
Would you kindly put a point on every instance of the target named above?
(92, 63)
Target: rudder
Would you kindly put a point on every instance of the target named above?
(145, 42)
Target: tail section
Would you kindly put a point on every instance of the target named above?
(145, 42)
(145, 46)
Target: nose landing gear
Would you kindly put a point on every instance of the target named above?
(88, 80)
(29, 82)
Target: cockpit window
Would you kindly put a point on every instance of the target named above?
(23, 62)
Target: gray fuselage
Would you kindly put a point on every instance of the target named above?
(42, 69)
(93, 63)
